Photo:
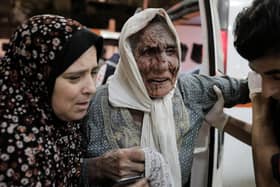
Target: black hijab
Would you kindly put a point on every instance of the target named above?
(35, 150)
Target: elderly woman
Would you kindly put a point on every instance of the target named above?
(47, 80)
(146, 105)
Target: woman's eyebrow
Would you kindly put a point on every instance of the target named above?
(75, 72)
(81, 71)
(96, 68)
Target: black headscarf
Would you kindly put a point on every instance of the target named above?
(35, 150)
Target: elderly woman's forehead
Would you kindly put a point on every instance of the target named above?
(155, 31)
(157, 26)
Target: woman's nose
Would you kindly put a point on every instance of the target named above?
(161, 64)
(162, 57)
(89, 86)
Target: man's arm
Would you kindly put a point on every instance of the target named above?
(239, 129)
(263, 142)
(235, 127)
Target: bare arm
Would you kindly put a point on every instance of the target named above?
(239, 129)
(263, 143)
(235, 127)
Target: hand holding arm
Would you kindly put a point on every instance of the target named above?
(254, 83)
(240, 129)
(216, 116)
(235, 127)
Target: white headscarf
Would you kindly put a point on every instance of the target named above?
(127, 90)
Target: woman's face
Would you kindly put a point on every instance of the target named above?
(156, 55)
(73, 89)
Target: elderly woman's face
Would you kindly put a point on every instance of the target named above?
(156, 55)
(74, 88)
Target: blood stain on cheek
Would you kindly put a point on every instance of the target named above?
(173, 67)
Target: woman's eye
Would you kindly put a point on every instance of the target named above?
(171, 51)
(145, 52)
(74, 78)
(94, 73)
(149, 51)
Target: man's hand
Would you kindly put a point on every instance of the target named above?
(216, 116)
(254, 83)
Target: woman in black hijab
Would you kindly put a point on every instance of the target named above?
(46, 81)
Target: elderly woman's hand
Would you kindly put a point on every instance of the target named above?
(140, 183)
(117, 164)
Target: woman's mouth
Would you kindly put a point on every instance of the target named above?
(83, 105)
(157, 81)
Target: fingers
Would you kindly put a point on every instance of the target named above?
(138, 168)
(121, 163)
(141, 183)
(254, 83)
(135, 154)
(218, 92)
(131, 161)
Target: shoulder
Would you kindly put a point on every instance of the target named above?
(188, 79)
(192, 83)
(102, 91)
(98, 98)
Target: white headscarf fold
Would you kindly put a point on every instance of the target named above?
(127, 89)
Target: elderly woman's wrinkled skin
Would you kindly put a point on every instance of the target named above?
(156, 55)
(125, 162)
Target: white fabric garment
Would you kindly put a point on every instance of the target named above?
(156, 169)
(127, 89)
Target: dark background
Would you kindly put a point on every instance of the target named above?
(92, 13)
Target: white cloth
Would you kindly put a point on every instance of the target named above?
(255, 83)
(216, 116)
(127, 89)
(156, 169)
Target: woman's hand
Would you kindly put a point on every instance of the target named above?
(140, 183)
(117, 164)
